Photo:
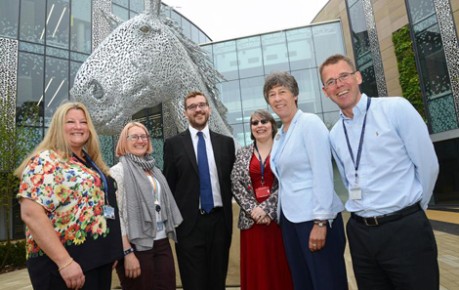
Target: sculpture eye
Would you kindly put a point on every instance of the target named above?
(145, 28)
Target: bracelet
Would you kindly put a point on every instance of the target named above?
(128, 251)
(65, 265)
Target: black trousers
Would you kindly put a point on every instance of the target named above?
(96, 279)
(397, 255)
(203, 255)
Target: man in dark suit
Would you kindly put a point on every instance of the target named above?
(204, 237)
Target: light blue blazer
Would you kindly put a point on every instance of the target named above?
(301, 160)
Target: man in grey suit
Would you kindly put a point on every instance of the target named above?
(204, 237)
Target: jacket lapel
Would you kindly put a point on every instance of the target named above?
(189, 149)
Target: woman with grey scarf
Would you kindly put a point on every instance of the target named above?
(148, 214)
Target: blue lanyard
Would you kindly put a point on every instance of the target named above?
(262, 164)
(101, 174)
(362, 133)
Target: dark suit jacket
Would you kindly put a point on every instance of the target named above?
(181, 171)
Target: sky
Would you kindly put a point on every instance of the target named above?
(226, 19)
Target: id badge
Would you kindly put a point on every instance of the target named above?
(159, 226)
(262, 191)
(355, 192)
(109, 212)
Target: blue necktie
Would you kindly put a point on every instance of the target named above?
(207, 201)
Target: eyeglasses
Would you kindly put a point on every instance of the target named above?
(136, 137)
(262, 121)
(342, 78)
(193, 107)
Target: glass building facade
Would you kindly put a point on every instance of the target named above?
(245, 62)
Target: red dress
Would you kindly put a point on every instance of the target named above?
(263, 262)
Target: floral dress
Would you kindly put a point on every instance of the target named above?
(72, 194)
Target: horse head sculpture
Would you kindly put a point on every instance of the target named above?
(146, 61)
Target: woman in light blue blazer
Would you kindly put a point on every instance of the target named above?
(308, 207)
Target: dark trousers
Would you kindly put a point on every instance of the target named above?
(96, 279)
(156, 266)
(401, 254)
(203, 255)
(320, 270)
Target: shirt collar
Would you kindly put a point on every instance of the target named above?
(194, 131)
(358, 110)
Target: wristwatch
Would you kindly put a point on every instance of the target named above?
(321, 223)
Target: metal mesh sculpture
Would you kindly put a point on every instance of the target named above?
(146, 61)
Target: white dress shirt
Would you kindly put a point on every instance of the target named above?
(210, 159)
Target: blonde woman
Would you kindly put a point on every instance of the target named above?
(149, 214)
(68, 204)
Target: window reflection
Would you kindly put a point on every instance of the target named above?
(231, 96)
(309, 98)
(250, 57)
(225, 59)
(300, 49)
(32, 25)
(275, 52)
(56, 86)
(57, 24)
(9, 14)
(252, 96)
(30, 87)
(81, 26)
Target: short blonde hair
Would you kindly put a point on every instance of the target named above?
(121, 147)
(55, 138)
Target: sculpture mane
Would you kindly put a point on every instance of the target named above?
(146, 61)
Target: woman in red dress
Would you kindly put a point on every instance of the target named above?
(263, 262)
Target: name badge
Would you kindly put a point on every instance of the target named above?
(109, 212)
(262, 191)
(355, 192)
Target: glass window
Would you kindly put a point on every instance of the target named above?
(120, 12)
(421, 9)
(9, 15)
(300, 48)
(123, 3)
(225, 59)
(231, 96)
(57, 23)
(176, 17)
(360, 39)
(137, 5)
(240, 135)
(30, 85)
(328, 40)
(57, 85)
(80, 38)
(194, 34)
(32, 21)
(250, 57)
(74, 67)
(275, 52)
(252, 96)
(309, 98)
(186, 26)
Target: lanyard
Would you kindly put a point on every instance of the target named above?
(362, 133)
(262, 164)
(101, 174)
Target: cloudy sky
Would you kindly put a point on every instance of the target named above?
(225, 19)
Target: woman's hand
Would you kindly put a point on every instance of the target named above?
(317, 238)
(258, 214)
(73, 275)
(131, 266)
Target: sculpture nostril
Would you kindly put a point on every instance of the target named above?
(96, 89)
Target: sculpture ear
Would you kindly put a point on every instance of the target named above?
(153, 7)
(112, 19)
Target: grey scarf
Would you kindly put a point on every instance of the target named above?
(140, 202)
